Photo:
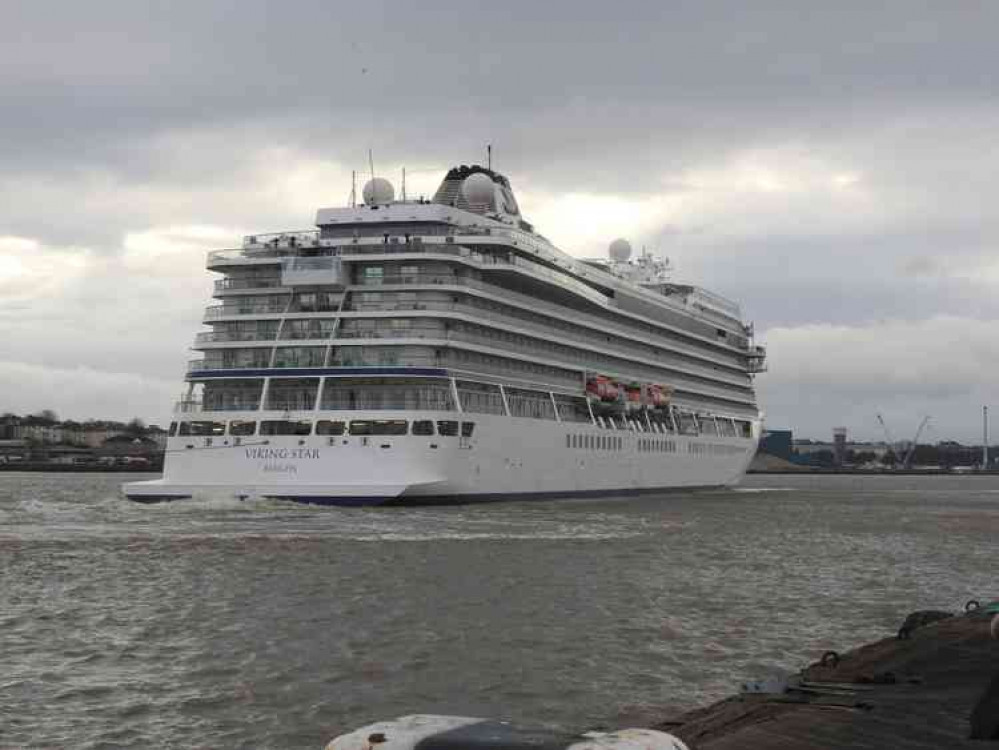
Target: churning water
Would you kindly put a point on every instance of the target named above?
(269, 625)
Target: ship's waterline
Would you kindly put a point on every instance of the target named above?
(443, 350)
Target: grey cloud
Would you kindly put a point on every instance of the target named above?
(121, 117)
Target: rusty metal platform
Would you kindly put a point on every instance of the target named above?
(912, 693)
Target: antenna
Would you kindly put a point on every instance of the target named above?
(403, 184)
(489, 155)
(371, 163)
(985, 438)
(353, 188)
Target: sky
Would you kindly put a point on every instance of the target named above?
(830, 166)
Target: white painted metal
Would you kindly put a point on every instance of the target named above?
(399, 734)
(506, 456)
(406, 732)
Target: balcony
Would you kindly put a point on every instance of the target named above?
(223, 286)
(312, 271)
(222, 337)
(301, 238)
(757, 360)
(532, 303)
(201, 365)
(215, 312)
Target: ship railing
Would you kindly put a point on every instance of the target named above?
(555, 354)
(596, 341)
(188, 406)
(390, 329)
(232, 284)
(356, 358)
(298, 238)
(723, 304)
(216, 337)
(201, 365)
(758, 359)
(529, 302)
(584, 360)
(269, 250)
(214, 312)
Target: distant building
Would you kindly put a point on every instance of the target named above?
(95, 437)
(839, 445)
(48, 434)
(10, 428)
(778, 443)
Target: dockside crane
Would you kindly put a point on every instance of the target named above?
(907, 461)
(890, 441)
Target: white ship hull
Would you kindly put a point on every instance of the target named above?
(506, 458)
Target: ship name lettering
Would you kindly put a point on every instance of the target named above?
(282, 453)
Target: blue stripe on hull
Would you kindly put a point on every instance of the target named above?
(151, 499)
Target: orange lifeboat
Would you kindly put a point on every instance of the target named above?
(659, 395)
(602, 388)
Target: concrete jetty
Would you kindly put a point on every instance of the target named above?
(933, 685)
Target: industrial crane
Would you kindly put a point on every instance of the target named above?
(890, 441)
(907, 461)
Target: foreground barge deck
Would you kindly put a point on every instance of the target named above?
(936, 687)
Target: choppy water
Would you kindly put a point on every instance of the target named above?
(235, 625)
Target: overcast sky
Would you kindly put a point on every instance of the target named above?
(831, 166)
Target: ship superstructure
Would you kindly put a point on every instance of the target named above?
(442, 350)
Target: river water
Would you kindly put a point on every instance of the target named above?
(215, 624)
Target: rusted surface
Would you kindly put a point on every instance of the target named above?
(906, 693)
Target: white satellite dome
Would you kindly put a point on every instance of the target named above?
(619, 250)
(478, 189)
(378, 190)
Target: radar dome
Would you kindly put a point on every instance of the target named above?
(478, 189)
(378, 190)
(620, 250)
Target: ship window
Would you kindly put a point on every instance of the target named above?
(173, 429)
(239, 427)
(285, 427)
(326, 427)
(423, 427)
(467, 428)
(207, 428)
(378, 427)
(185, 429)
(447, 427)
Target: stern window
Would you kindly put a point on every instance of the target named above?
(239, 427)
(447, 428)
(378, 427)
(423, 427)
(467, 428)
(326, 427)
(207, 428)
(286, 427)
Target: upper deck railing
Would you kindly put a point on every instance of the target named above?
(275, 247)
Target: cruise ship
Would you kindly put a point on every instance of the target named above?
(442, 350)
